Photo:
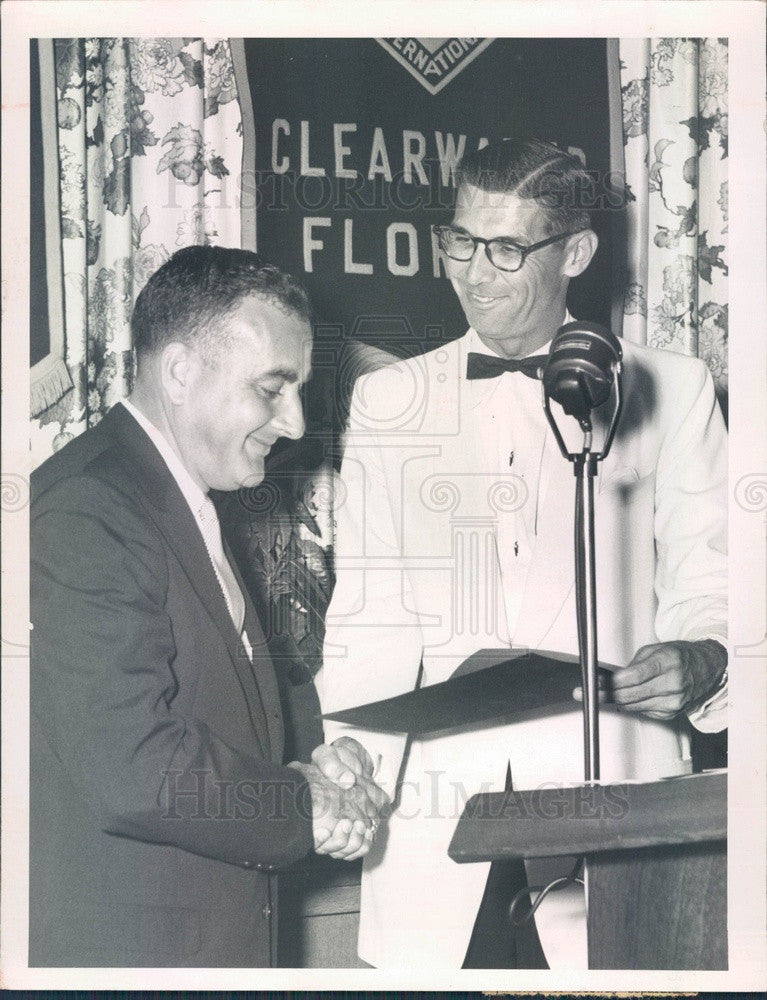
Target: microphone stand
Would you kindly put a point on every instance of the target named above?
(585, 465)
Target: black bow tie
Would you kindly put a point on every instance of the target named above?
(491, 366)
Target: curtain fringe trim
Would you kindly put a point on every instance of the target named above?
(49, 388)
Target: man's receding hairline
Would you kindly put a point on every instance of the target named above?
(205, 340)
(534, 203)
(272, 298)
(193, 296)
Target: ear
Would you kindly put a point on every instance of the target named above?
(579, 251)
(177, 366)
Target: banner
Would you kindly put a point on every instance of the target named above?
(356, 145)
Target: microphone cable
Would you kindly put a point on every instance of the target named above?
(574, 878)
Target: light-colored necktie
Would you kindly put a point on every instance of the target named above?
(211, 534)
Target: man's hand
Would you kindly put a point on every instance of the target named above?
(347, 764)
(344, 819)
(343, 761)
(667, 678)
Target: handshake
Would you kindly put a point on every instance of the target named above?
(346, 803)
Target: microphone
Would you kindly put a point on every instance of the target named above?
(581, 368)
(584, 363)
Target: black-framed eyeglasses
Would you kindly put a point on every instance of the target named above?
(501, 252)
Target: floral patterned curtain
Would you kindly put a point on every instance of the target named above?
(149, 137)
(675, 139)
(150, 154)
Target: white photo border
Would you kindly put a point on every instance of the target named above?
(744, 24)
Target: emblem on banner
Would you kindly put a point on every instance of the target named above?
(434, 62)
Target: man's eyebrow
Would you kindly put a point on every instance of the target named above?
(288, 374)
(519, 241)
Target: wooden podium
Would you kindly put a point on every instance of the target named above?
(656, 852)
(656, 861)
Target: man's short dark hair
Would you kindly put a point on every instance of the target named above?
(188, 297)
(540, 171)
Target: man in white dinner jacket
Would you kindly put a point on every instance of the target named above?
(455, 526)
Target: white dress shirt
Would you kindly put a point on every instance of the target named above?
(513, 429)
(206, 518)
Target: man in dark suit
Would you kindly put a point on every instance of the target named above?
(160, 802)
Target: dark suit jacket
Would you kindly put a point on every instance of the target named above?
(159, 799)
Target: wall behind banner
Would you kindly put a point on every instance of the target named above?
(354, 162)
